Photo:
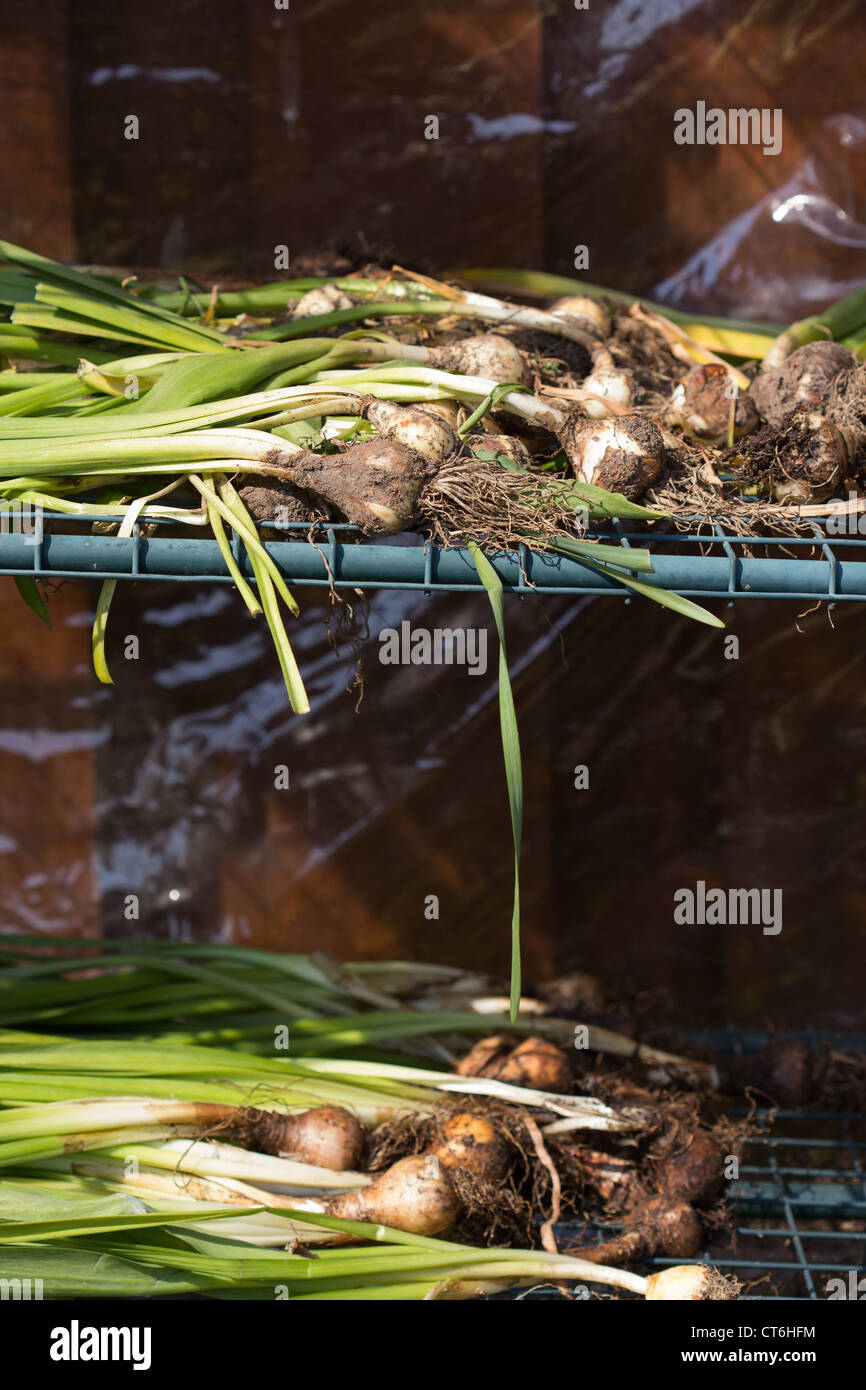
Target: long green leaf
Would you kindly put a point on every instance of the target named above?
(43, 269)
(245, 526)
(15, 1232)
(683, 606)
(288, 665)
(243, 588)
(511, 755)
(32, 596)
(204, 377)
(540, 283)
(632, 558)
(106, 593)
(567, 492)
(302, 328)
(64, 1271)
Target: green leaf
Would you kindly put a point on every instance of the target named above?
(268, 579)
(245, 526)
(15, 1231)
(80, 286)
(305, 433)
(67, 1271)
(106, 593)
(32, 596)
(627, 557)
(597, 500)
(511, 755)
(33, 1204)
(288, 665)
(97, 637)
(504, 388)
(243, 588)
(683, 606)
(612, 504)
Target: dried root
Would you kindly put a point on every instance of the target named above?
(478, 497)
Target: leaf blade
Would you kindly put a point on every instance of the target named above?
(511, 757)
(29, 591)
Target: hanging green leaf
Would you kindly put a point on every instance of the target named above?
(511, 755)
(683, 606)
(32, 596)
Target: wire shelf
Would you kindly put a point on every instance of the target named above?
(699, 565)
(798, 1207)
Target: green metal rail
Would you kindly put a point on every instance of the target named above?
(704, 566)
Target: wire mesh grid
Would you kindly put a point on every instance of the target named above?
(704, 563)
(797, 1210)
(799, 1203)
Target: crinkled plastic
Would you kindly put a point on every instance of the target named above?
(811, 218)
(159, 805)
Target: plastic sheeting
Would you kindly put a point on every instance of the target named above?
(167, 789)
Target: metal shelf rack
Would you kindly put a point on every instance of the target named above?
(799, 1204)
(800, 1200)
(699, 565)
(798, 1210)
